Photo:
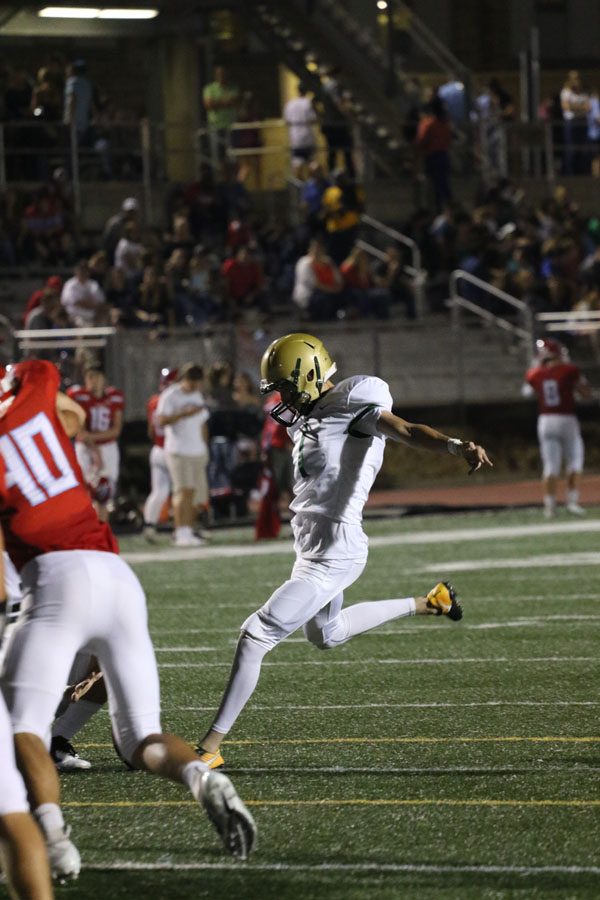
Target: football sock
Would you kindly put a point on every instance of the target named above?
(49, 818)
(74, 718)
(364, 616)
(152, 508)
(549, 503)
(573, 497)
(192, 771)
(245, 671)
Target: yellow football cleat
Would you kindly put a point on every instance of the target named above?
(442, 599)
(212, 760)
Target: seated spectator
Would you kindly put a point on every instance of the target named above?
(244, 281)
(52, 288)
(42, 228)
(239, 234)
(118, 293)
(150, 303)
(50, 313)
(129, 253)
(202, 287)
(177, 282)
(433, 142)
(83, 299)
(181, 237)
(361, 295)
(99, 268)
(342, 206)
(232, 196)
(113, 229)
(317, 284)
(390, 277)
(207, 214)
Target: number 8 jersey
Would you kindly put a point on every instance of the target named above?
(554, 386)
(44, 505)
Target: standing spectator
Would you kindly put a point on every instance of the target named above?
(575, 104)
(556, 383)
(343, 204)
(317, 284)
(83, 299)
(300, 116)
(593, 132)
(220, 100)
(202, 284)
(96, 446)
(129, 253)
(183, 413)
(178, 283)
(312, 197)
(433, 142)
(334, 125)
(160, 480)
(79, 101)
(113, 230)
(244, 281)
(249, 138)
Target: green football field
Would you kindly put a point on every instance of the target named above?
(425, 759)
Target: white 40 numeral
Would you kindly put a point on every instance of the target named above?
(26, 467)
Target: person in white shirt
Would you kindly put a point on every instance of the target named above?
(575, 104)
(129, 253)
(83, 299)
(182, 411)
(300, 116)
(339, 433)
(317, 283)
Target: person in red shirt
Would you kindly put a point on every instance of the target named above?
(557, 383)
(97, 445)
(432, 143)
(160, 480)
(79, 593)
(244, 280)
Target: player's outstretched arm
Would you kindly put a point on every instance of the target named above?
(423, 437)
(70, 413)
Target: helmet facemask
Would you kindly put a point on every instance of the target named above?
(304, 385)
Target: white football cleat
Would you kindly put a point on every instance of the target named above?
(575, 509)
(63, 856)
(227, 813)
(65, 756)
(188, 540)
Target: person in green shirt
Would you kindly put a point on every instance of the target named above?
(221, 100)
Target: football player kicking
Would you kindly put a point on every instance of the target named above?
(339, 433)
(79, 594)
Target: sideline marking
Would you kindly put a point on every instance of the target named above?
(391, 540)
(426, 869)
(486, 739)
(358, 801)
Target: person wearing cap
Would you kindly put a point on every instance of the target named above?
(115, 226)
(53, 286)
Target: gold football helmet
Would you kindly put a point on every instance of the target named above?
(298, 366)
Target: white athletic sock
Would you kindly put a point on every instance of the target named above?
(74, 718)
(152, 508)
(549, 503)
(245, 672)
(50, 819)
(364, 616)
(192, 772)
(573, 497)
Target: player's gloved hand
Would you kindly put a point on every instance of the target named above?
(475, 455)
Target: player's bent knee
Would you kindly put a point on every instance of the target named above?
(264, 632)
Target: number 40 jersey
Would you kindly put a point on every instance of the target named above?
(554, 386)
(44, 506)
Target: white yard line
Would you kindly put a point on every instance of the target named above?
(544, 561)
(311, 707)
(504, 532)
(409, 868)
(428, 661)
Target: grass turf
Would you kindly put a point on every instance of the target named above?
(424, 759)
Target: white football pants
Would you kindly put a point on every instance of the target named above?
(82, 600)
(311, 599)
(160, 485)
(13, 796)
(560, 443)
(109, 463)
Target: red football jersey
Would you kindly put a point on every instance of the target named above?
(555, 386)
(100, 411)
(273, 433)
(156, 430)
(44, 505)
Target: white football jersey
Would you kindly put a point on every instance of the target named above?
(338, 450)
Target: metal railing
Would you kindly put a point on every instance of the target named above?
(578, 321)
(415, 271)
(524, 332)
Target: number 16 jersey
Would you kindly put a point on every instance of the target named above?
(44, 505)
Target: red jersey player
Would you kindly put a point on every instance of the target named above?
(80, 594)
(97, 445)
(556, 383)
(160, 480)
